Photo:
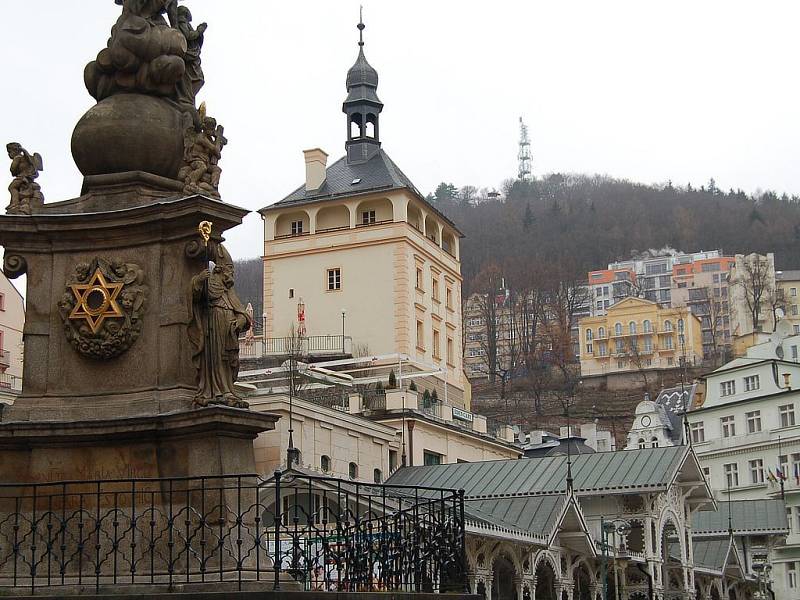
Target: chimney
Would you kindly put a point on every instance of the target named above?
(316, 160)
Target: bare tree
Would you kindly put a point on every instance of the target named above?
(756, 281)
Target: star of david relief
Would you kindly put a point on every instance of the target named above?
(96, 301)
(102, 307)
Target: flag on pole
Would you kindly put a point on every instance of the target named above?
(771, 477)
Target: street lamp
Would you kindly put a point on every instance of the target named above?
(344, 313)
(611, 528)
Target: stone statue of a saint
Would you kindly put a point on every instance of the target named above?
(25, 168)
(202, 151)
(218, 319)
(193, 78)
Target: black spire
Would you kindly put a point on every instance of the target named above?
(362, 106)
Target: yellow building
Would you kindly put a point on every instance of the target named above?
(638, 335)
(357, 252)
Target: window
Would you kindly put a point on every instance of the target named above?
(753, 421)
(793, 291)
(420, 335)
(618, 329)
(648, 328)
(435, 288)
(727, 388)
(450, 351)
(599, 305)
(619, 347)
(728, 426)
(698, 432)
(601, 332)
(707, 472)
(334, 280)
(588, 335)
(648, 344)
(632, 327)
(367, 217)
(756, 471)
(431, 458)
(794, 310)
(436, 344)
(620, 364)
(787, 415)
(783, 465)
(642, 444)
(377, 476)
(448, 295)
(791, 575)
(353, 470)
(794, 348)
(589, 349)
(667, 325)
(731, 474)
(680, 325)
(602, 349)
(654, 442)
(325, 463)
(297, 227)
(2, 301)
(668, 343)
(419, 279)
(392, 460)
(751, 383)
(291, 293)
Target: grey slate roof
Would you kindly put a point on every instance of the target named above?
(626, 471)
(747, 517)
(378, 173)
(790, 275)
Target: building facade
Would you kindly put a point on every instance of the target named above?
(358, 250)
(746, 434)
(788, 284)
(637, 336)
(12, 320)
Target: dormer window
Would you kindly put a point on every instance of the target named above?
(368, 217)
(297, 227)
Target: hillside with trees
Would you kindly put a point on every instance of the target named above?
(569, 224)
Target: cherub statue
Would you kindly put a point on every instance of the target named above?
(25, 168)
(202, 150)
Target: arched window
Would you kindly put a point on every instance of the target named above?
(667, 325)
(632, 327)
(648, 328)
(588, 335)
(642, 444)
(377, 476)
(370, 126)
(654, 442)
(325, 463)
(618, 329)
(353, 472)
(680, 325)
(601, 332)
(355, 125)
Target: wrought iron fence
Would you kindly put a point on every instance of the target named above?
(373, 399)
(326, 534)
(259, 347)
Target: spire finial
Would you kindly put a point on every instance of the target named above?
(361, 25)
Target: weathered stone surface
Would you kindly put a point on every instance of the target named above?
(130, 132)
(156, 374)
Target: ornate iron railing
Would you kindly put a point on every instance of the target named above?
(325, 534)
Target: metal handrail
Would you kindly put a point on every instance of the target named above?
(328, 534)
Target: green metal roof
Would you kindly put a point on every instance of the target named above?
(747, 517)
(627, 471)
(711, 554)
(536, 516)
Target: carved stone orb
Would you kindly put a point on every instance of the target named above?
(129, 132)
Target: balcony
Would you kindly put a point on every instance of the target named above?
(5, 358)
(10, 383)
(260, 347)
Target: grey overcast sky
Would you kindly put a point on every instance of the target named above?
(650, 91)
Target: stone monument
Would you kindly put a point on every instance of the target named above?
(132, 323)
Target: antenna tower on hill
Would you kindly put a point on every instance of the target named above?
(524, 155)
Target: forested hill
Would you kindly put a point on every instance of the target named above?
(575, 223)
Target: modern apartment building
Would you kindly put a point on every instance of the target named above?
(638, 335)
(358, 250)
(12, 319)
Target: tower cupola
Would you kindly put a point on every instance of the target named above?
(362, 107)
